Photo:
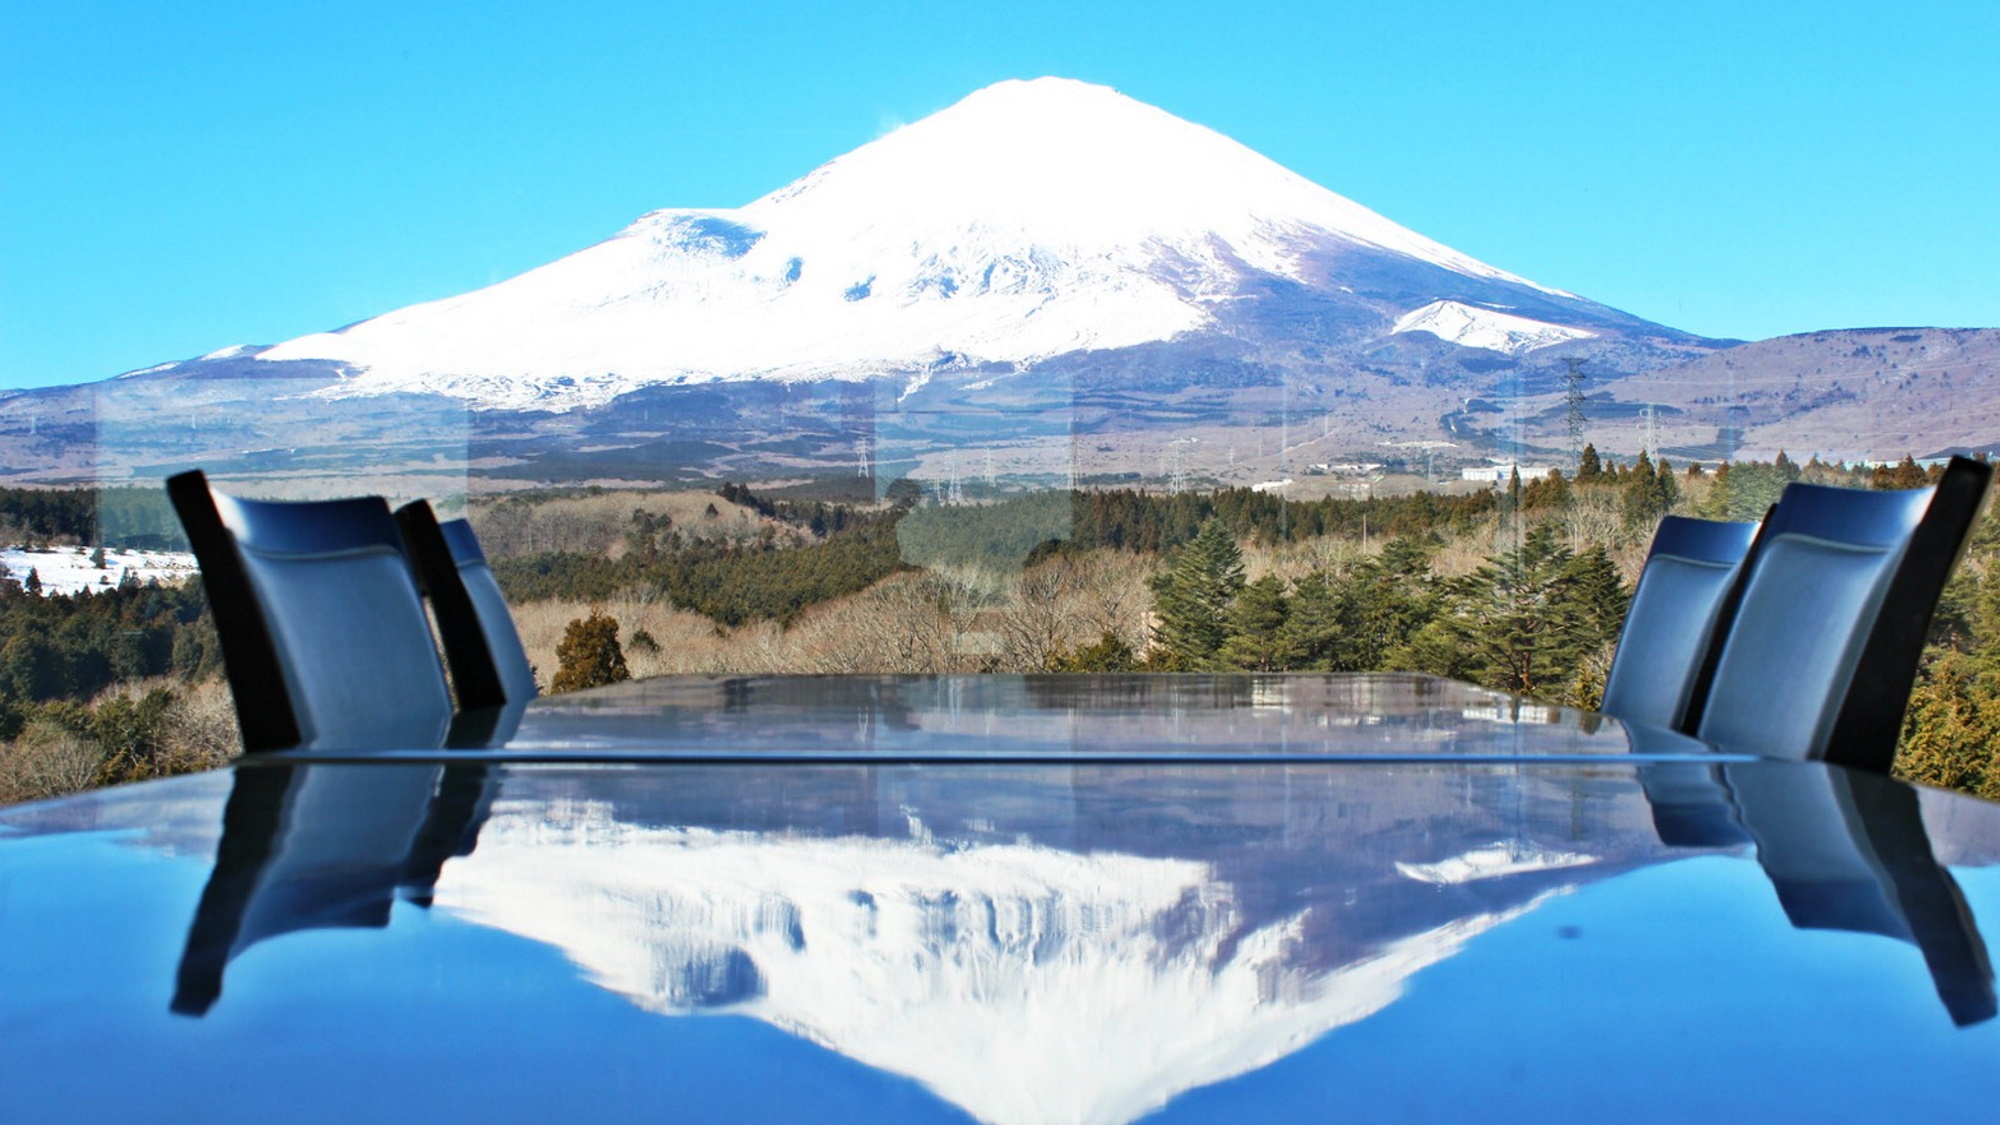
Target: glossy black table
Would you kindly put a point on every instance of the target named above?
(1006, 900)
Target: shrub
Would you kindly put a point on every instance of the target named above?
(589, 654)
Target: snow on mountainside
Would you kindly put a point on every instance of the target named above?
(1030, 220)
(1474, 327)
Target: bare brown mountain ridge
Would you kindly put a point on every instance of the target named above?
(1846, 394)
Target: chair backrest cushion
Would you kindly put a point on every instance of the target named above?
(1676, 613)
(489, 667)
(341, 619)
(503, 640)
(1819, 661)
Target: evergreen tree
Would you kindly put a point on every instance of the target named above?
(1513, 503)
(1594, 599)
(1256, 638)
(1641, 490)
(589, 655)
(1385, 603)
(1516, 615)
(1908, 474)
(1109, 653)
(1525, 621)
(1313, 627)
(1589, 468)
(1551, 493)
(1193, 599)
(33, 584)
(1667, 490)
(1786, 467)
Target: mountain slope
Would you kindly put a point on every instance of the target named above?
(1029, 221)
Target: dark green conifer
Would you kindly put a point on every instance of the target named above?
(1256, 627)
(1193, 599)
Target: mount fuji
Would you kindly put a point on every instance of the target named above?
(1031, 221)
(1049, 277)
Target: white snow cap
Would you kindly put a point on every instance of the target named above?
(1031, 219)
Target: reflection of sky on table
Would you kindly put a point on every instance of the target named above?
(1118, 716)
(1304, 973)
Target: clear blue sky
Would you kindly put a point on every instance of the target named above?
(177, 177)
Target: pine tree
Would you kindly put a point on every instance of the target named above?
(589, 655)
(1193, 599)
(1109, 653)
(1313, 627)
(1551, 493)
(1385, 603)
(1666, 490)
(1525, 621)
(1642, 493)
(1256, 640)
(1594, 597)
(1589, 468)
(1908, 474)
(1510, 499)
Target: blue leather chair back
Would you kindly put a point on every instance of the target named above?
(488, 665)
(1682, 604)
(517, 676)
(323, 632)
(1820, 658)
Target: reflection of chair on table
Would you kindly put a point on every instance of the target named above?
(1844, 850)
(320, 847)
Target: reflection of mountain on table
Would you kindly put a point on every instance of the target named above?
(1072, 987)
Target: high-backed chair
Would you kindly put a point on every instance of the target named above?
(323, 632)
(1685, 599)
(1822, 653)
(489, 667)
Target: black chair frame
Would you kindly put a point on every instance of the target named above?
(1870, 720)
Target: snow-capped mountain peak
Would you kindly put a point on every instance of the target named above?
(1030, 220)
(1082, 167)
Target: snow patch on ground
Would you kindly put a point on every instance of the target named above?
(66, 570)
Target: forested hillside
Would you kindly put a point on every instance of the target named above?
(1522, 588)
